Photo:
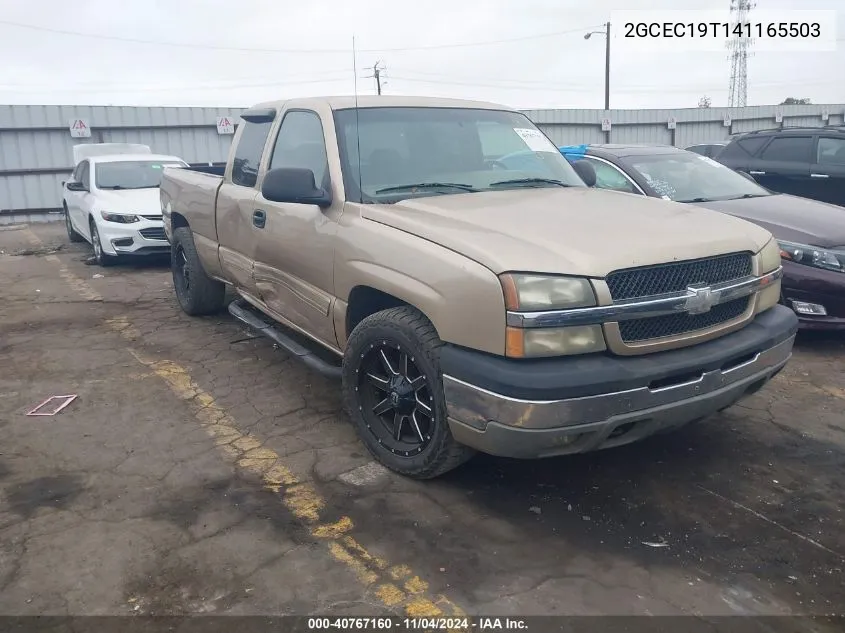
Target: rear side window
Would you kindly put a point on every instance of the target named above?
(831, 151)
(788, 149)
(248, 153)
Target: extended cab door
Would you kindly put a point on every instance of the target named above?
(294, 260)
(784, 165)
(237, 233)
(828, 169)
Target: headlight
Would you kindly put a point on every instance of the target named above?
(812, 256)
(526, 292)
(120, 218)
(558, 341)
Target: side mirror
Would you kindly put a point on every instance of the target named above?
(294, 184)
(586, 171)
(75, 186)
(745, 174)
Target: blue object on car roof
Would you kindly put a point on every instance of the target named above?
(578, 150)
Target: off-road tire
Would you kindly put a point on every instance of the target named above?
(72, 235)
(409, 329)
(201, 294)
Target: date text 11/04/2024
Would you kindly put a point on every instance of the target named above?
(722, 29)
(418, 624)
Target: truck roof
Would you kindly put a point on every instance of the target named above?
(380, 101)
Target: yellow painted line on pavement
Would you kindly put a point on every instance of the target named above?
(299, 497)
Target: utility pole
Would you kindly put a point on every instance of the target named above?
(378, 73)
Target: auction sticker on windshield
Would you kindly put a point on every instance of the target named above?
(535, 140)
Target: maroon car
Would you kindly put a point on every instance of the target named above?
(811, 234)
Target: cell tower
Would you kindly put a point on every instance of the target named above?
(739, 45)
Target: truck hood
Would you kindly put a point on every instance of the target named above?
(141, 201)
(790, 218)
(576, 231)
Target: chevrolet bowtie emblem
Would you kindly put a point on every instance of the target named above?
(700, 299)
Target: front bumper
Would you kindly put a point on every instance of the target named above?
(541, 408)
(815, 285)
(139, 238)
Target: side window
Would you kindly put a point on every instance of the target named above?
(300, 143)
(248, 153)
(788, 149)
(85, 174)
(752, 144)
(609, 177)
(831, 151)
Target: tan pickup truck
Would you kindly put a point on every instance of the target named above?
(466, 283)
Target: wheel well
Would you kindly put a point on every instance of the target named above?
(178, 221)
(364, 301)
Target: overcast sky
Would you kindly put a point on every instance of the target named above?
(451, 48)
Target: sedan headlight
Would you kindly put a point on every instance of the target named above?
(526, 292)
(120, 218)
(812, 256)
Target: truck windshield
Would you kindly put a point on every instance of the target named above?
(690, 177)
(392, 153)
(131, 174)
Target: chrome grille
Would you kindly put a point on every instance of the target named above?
(681, 323)
(646, 281)
(153, 233)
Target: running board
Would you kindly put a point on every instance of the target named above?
(244, 313)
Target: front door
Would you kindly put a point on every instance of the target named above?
(828, 169)
(294, 260)
(77, 200)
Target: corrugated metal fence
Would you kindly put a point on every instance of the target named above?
(36, 145)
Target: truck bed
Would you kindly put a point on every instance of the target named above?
(192, 193)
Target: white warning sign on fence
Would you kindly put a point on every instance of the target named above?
(79, 128)
(225, 125)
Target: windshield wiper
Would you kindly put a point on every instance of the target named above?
(530, 181)
(428, 185)
(694, 200)
(745, 196)
(113, 187)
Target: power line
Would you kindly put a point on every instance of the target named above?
(241, 49)
(570, 87)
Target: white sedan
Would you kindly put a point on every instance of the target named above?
(112, 202)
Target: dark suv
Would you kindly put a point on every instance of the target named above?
(802, 161)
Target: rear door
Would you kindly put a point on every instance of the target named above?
(236, 229)
(828, 169)
(783, 165)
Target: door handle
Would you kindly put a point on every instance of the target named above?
(757, 173)
(259, 218)
(819, 176)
